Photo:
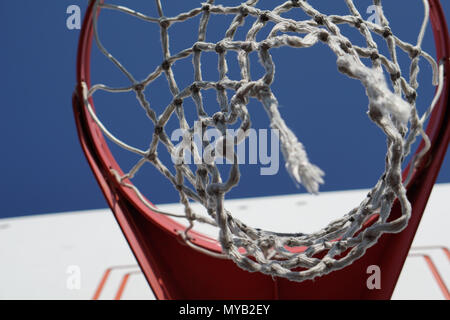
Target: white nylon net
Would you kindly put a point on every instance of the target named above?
(393, 111)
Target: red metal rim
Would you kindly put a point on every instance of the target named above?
(99, 152)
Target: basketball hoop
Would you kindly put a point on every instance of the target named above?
(245, 262)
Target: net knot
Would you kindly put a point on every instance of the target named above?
(164, 22)
(339, 245)
(220, 48)
(328, 262)
(370, 236)
(324, 36)
(206, 7)
(411, 97)
(166, 65)
(247, 46)
(319, 19)
(387, 32)
(227, 245)
(202, 172)
(394, 179)
(264, 46)
(358, 22)
(295, 3)
(244, 10)
(152, 156)
(415, 52)
(261, 90)
(196, 47)
(292, 27)
(139, 87)
(195, 88)
(345, 46)
(219, 117)
(213, 190)
(389, 196)
(178, 102)
(375, 115)
(374, 55)
(201, 193)
(158, 130)
(264, 16)
(395, 76)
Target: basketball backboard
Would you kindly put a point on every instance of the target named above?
(83, 255)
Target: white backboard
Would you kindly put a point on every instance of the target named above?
(83, 255)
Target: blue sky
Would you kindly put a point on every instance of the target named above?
(44, 169)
